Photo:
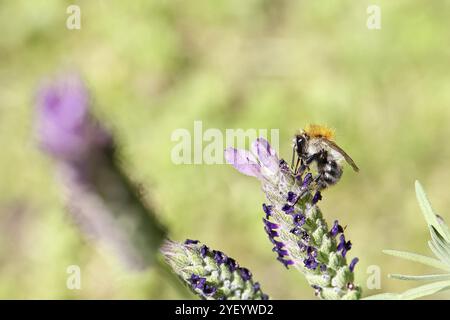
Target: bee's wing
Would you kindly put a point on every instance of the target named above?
(347, 158)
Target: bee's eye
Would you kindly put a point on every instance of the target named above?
(300, 142)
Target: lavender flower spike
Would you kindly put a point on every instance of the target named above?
(98, 195)
(209, 273)
(295, 225)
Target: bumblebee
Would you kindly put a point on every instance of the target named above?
(315, 145)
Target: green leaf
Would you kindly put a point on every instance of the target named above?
(440, 244)
(437, 252)
(445, 228)
(425, 290)
(383, 296)
(418, 258)
(430, 215)
(411, 294)
(428, 277)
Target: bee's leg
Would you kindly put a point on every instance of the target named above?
(305, 164)
(301, 170)
(312, 158)
(317, 182)
(293, 156)
(321, 162)
(296, 166)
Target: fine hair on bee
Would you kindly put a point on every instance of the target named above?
(315, 145)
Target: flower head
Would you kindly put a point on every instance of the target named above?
(295, 225)
(210, 273)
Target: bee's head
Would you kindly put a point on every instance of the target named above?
(301, 141)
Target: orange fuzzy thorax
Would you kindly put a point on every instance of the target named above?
(318, 131)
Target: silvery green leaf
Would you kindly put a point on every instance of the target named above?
(418, 258)
(383, 296)
(425, 290)
(438, 252)
(440, 246)
(428, 277)
(430, 215)
(444, 227)
(411, 294)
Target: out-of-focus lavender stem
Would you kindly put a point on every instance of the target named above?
(106, 206)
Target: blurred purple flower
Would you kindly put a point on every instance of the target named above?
(100, 197)
(64, 126)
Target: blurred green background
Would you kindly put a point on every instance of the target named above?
(155, 66)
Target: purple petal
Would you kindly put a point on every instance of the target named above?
(190, 241)
(353, 264)
(299, 219)
(220, 257)
(204, 250)
(209, 290)
(286, 262)
(336, 229)
(197, 282)
(268, 210)
(243, 161)
(270, 224)
(287, 208)
(317, 197)
(271, 233)
(281, 252)
(266, 155)
(245, 274)
(310, 263)
(307, 180)
(311, 251)
(291, 197)
(278, 244)
(232, 264)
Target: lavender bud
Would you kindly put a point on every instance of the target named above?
(208, 275)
